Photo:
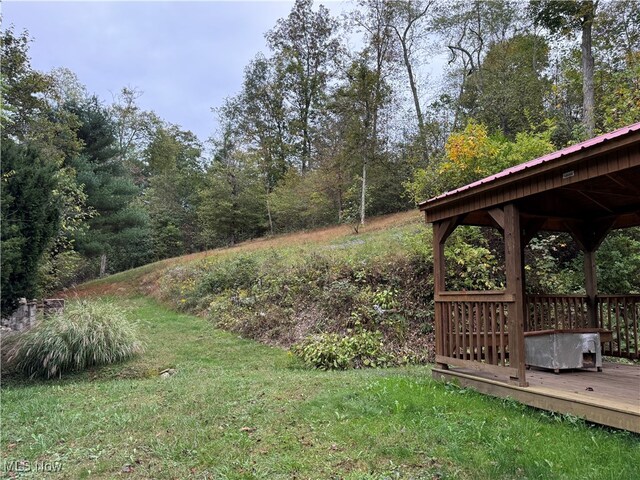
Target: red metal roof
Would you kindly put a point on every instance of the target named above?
(541, 160)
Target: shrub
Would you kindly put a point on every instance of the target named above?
(339, 297)
(332, 351)
(237, 272)
(87, 334)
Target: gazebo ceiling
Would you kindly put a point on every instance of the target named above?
(597, 180)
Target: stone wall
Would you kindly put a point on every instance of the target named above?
(52, 306)
(28, 311)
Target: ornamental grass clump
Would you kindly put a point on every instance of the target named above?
(87, 334)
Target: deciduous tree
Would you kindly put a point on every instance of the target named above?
(565, 18)
(306, 45)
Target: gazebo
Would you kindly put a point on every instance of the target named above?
(585, 190)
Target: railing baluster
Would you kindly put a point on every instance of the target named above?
(465, 329)
(530, 319)
(619, 349)
(478, 333)
(450, 322)
(625, 317)
(635, 327)
(610, 326)
(485, 316)
(494, 326)
(502, 332)
(606, 347)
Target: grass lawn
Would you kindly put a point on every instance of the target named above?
(239, 409)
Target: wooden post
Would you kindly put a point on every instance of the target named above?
(439, 287)
(515, 285)
(591, 287)
(589, 237)
(441, 231)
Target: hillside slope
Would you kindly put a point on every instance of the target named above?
(123, 282)
(283, 290)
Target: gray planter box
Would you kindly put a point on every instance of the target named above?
(563, 349)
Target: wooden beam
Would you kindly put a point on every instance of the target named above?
(599, 232)
(477, 366)
(446, 228)
(476, 296)
(591, 287)
(589, 235)
(497, 214)
(591, 191)
(594, 201)
(438, 258)
(439, 284)
(515, 285)
(624, 183)
(531, 228)
(577, 233)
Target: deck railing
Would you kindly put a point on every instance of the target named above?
(620, 315)
(617, 313)
(473, 329)
(553, 312)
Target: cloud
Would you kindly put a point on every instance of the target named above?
(186, 57)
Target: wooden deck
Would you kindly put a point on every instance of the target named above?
(610, 397)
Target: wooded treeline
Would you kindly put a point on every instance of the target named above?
(342, 118)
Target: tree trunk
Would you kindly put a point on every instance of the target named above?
(588, 94)
(416, 98)
(414, 16)
(269, 214)
(103, 265)
(363, 193)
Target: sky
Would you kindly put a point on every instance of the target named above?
(185, 56)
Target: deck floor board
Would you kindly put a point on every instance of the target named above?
(616, 389)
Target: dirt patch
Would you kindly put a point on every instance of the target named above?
(101, 289)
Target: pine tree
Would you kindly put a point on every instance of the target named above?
(30, 219)
(118, 234)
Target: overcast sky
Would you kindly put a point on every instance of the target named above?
(185, 56)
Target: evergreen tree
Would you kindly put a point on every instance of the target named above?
(30, 218)
(118, 233)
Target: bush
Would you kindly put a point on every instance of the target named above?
(332, 351)
(236, 272)
(87, 334)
